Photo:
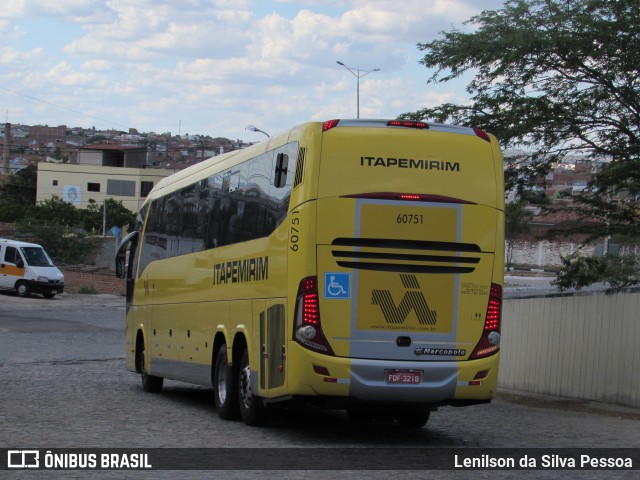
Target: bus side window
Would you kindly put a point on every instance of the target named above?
(282, 163)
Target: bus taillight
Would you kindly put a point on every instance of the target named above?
(407, 124)
(329, 124)
(307, 328)
(482, 134)
(490, 341)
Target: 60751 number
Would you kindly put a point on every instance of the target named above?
(410, 218)
(294, 237)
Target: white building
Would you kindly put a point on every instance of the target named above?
(110, 171)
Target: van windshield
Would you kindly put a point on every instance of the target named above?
(36, 257)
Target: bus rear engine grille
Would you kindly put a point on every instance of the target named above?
(297, 179)
(425, 257)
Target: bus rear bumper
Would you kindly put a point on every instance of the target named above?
(385, 381)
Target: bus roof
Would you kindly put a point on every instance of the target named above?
(176, 180)
(183, 177)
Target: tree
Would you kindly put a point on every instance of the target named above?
(578, 271)
(554, 78)
(18, 194)
(118, 215)
(58, 155)
(54, 210)
(62, 228)
(65, 244)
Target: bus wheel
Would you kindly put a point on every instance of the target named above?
(413, 417)
(150, 383)
(23, 289)
(225, 386)
(252, 409)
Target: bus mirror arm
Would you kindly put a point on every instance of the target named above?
(121, 254)
(121, 264)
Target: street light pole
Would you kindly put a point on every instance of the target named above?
(254, 129)
(356, 72)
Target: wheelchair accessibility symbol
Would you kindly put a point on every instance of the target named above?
(337, 286)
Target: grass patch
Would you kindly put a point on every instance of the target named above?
(87, 290)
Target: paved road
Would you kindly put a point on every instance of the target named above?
(63, 384)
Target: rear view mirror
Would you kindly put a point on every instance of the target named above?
(126, 248)
(121, 263)
(20, 263)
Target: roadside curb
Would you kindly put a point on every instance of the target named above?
(536, 400)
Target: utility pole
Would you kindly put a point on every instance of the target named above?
(5, 151)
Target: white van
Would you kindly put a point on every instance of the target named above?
(26, 268)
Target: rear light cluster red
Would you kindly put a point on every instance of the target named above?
(489, 343)
(329, 124)
(398, 123)
(409, 197)
(308, 329)
(482, 134)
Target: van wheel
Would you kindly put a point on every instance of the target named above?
(252, 409)
(23, 289)
(225, 386)
(413, 417)
(150, 383)
(48, 295)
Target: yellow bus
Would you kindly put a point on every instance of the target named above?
(352, 264)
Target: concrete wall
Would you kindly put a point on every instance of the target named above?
(91, 157)
(584, 347)
(541, 254)
(77, 279)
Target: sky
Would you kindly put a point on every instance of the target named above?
(212, 67)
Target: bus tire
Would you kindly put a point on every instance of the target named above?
(23, 289)
(252, 409)
(416, 417)
(225, 386)
(150, 383)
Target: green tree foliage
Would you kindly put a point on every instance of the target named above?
(56, 211)
(64, 229)
(553, 78)
(57, 225)
(117, 215)
(18, 194)
(65, 244)
(579, 271)
(57, 154)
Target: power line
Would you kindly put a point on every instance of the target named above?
(59, 107)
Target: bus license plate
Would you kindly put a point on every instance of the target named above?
(403, 377)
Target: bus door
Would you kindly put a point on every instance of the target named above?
(272, 339)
